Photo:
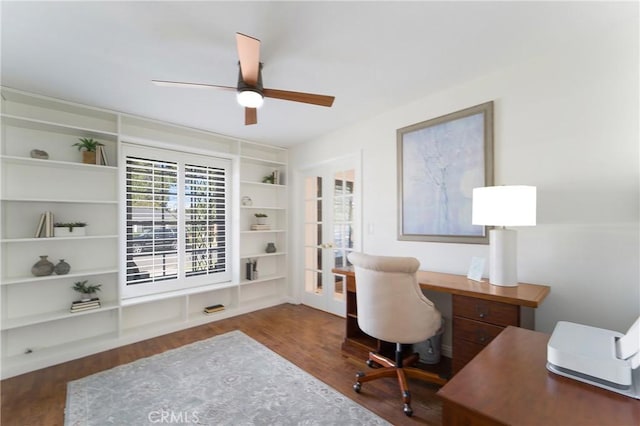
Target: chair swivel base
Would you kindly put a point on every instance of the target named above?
(391, 369)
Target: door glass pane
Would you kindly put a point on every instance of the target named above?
(342, 225)
(339, 211)
(313, 234)
(348, 209)
(339, 183)
(319, 264)
(338, 236)
(349, 177)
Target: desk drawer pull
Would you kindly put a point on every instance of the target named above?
(481, 336)
(482, 311)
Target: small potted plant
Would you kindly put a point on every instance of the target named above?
(88, 147)
(69, 229)
(87, 291)
(261, 218)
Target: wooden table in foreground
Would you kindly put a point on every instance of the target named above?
(480, 312)
(508, 383)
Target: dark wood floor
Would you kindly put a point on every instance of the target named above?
(307, 337)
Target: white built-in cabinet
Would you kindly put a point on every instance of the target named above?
(37, 329)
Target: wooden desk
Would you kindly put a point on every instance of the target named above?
(480, 312)
(508, 383)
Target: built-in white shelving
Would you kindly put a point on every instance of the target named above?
(37, 329)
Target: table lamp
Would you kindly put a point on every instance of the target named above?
(513, 205)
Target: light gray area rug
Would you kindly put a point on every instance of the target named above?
(229, 379)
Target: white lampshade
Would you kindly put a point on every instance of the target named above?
(513, 205)
(250, 99)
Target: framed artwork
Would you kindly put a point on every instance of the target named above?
(440, 161)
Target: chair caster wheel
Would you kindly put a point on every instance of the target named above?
(407, 410)
(372, 364)
(357, 386)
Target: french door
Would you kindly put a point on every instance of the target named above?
(330, 232)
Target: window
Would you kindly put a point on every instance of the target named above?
(176, 220)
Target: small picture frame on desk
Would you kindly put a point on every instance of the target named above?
(476, 268)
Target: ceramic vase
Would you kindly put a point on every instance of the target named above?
(271, 248)
(42, 267)
(62, 268)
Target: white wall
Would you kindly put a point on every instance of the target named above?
(566, 122)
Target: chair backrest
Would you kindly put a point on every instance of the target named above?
(391, 306)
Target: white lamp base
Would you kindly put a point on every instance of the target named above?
(503, 247)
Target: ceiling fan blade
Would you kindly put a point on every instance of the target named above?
(307, 98)
(191, 85)
(250, 116)
(249, 56)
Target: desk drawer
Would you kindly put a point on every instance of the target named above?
(463, 352)
(498, 313)
(474, 331)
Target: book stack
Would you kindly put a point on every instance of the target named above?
(45, 226)
(101, 156)
(213, 308)
(85, 305)
(276, 177)
(260, 227)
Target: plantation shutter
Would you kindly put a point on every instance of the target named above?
(205, 219)
(176, 220)
(152, 220)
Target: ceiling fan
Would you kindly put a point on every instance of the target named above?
(250, 91)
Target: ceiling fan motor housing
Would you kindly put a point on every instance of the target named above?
(243, 86)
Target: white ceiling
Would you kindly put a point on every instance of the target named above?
(372, 56)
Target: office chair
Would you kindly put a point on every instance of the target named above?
(392, 308)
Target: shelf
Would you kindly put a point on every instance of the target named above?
(263, 231)
(270, 185)
(278, 253)
(31, 278)
(11, 323)
(57, 200)
(42, 357)
(263, 208)
(257, 160)
(263, 279)
(177, 293)
(49, 126)
(28, 161)
(38, 240)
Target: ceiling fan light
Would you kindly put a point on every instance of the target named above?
(250, 99)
